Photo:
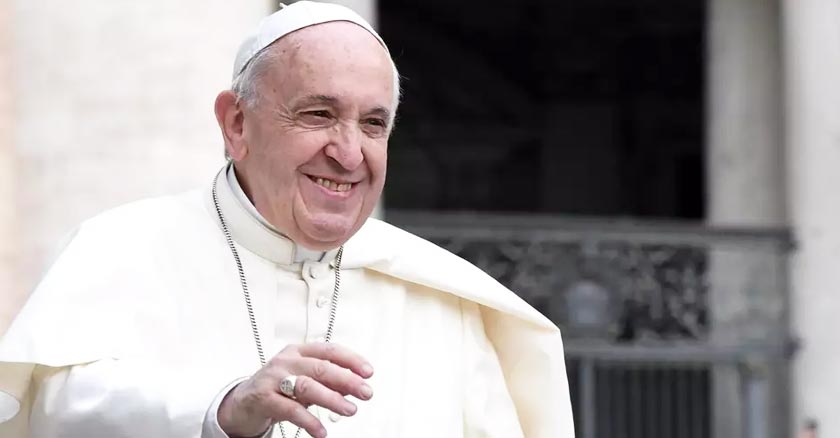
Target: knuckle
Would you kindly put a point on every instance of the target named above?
(320, 369)
(303, 387)
(275, 361)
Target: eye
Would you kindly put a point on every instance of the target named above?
(374, 126)
(316, 118)
(318, 113)
(376, 122)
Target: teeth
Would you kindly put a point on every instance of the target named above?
(332, 185)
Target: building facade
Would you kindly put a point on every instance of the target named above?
(718, 117)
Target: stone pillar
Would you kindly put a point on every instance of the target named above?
(745, 177)
(10, 292)
(114, 102)
(812, 50)
(745, 188)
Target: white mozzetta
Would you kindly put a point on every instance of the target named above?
(141, 322)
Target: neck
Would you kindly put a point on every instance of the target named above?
(240, 192)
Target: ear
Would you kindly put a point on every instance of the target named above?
(230, 117)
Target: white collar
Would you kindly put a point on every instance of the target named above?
(250, 229)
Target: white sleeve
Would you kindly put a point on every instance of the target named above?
(211, 428)
(121, 398)
(489, 411)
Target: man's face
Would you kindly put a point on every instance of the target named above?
(316, 142)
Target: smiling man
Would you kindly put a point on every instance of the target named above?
(269, 303)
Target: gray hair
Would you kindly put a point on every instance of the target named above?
(246, 84)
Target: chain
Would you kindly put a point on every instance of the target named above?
(247, 295)
(335, 295)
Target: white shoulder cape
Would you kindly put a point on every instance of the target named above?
(57, 329)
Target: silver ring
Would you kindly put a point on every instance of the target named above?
(287, 386)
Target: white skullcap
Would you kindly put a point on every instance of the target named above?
(289, 19)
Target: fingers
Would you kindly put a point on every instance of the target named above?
(333, 377)
(285, 409)
(338, 355)
(309, 391)
(326, 373)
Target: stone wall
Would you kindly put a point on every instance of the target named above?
(113, 101)
(812, 50)
(10, 295)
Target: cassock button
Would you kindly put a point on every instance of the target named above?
(318, 271)
(335, 418)
(322, 301)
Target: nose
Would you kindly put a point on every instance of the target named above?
(346, 146)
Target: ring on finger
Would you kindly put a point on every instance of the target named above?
(287, 386)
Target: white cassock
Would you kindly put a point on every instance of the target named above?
(140, 327)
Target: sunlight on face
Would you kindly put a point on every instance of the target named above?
(317, 140)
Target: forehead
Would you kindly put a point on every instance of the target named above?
(334, 33)
(336, 58)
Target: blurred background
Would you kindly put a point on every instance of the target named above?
(659, 177)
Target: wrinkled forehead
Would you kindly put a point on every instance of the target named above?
(335, 59)
(289, 19)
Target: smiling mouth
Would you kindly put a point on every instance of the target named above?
(331, 185)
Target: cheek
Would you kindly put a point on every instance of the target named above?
(376, 155)
(284, 154)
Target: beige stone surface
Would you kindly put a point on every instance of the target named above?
(745, 171)
(113, 102)
(101, 104)
(812, 50)
(10, 294)
(745, 184)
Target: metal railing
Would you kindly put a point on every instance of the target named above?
(665, 389)
(672, 330)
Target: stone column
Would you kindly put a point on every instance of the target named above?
(745, 186)
(114, 102)
(812, 50)
(745, 177)
(10, 292)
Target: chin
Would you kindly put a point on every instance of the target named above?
(322, 235)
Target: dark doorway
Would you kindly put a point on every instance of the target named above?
(566, 107)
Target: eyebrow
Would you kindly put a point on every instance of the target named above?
(380, 111)
(316, 98)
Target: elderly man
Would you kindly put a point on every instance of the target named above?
(269, 302)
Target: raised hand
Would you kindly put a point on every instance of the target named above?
(326, 373)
